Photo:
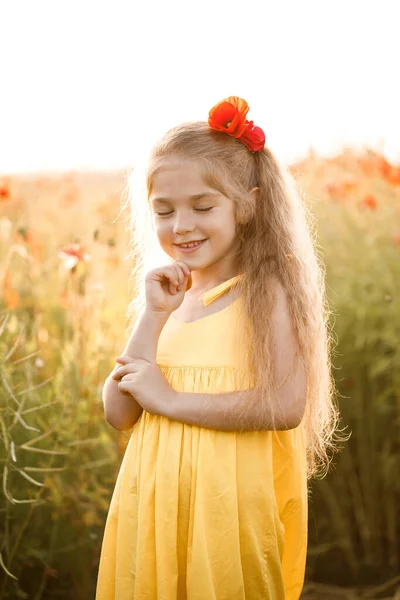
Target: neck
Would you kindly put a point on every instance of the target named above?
(201, 281)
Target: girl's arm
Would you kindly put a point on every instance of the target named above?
(229, 412)
(121, 410)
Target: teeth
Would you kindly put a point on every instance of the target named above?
(189, 245)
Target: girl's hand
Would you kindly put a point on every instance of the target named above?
(166, 287)
(144, 381)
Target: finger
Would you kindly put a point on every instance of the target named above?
(173, 282)
(184, 267)
(126, 360)
(183, 270)
(172, 287)
(118, 366)
(127, 377)
(184, 274)
(170, 273)
(173, 274)
(124, 370)
(180, 276)
(122, 387)
(185, 282)
(161, 273)
(117, 374)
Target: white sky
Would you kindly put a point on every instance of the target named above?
(91, 84)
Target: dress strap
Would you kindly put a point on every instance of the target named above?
(218, 290)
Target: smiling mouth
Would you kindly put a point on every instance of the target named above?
(190, 244)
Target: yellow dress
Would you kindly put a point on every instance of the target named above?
(201, 514)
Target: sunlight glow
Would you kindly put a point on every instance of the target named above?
(91, 85)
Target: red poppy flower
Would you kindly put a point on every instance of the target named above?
(369, 202)
(72, 255)
(229, 116)
(253, 137)
(5, 192)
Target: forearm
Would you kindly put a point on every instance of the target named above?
(122, 410)
(226, 412)
(143, 341)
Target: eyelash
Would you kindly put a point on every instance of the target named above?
(199, 209)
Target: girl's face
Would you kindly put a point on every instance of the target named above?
(186, 209)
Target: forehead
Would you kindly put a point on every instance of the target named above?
(178, 178)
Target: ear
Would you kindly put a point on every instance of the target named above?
(255, 191)
(242, 219)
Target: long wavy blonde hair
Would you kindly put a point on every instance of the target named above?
(277, 242)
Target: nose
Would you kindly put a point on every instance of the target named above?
(183, 223)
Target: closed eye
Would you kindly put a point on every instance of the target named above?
(198, 209)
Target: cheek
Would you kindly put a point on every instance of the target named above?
(162, 230)
(223, 227)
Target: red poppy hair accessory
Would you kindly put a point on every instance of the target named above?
(229, 116)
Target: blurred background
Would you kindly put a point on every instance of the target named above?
(87, 88)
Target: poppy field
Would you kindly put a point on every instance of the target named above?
(64, 292)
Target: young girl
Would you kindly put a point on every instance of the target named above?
(225, 378)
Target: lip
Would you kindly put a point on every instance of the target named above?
(189, 250)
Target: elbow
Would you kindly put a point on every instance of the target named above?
(111, 419)
(120, 420)
(119, 426)
(293, 424)
(292, 417)
(295, 419)
(121, 411)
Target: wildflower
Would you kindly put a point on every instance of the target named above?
(72, 255)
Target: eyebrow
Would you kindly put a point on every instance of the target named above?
(193, 197)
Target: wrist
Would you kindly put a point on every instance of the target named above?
(143, 339)
(170, 407)
(156, 316)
